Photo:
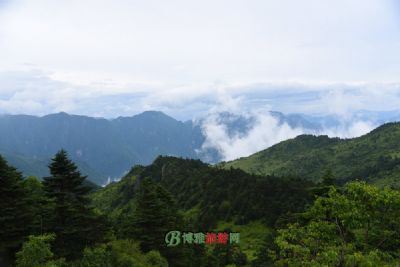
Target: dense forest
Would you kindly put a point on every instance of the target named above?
(373, 157)
(62, 220)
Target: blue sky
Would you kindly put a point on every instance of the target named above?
(111, 58)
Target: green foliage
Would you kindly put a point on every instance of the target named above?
(230, 195)
(37, 253)
(252, 235)
(320, 224)
(140, 206)
(223, 255)
(38, 166)
(356, 227)
(155, 214)
(96, 257)
(328, 179)
(122, 253)
(263, 257)
(15, 216)
(153, 258)
(117, 199)
(210, 194)
(38, 202)
(68, 213)
(27, 165)
(373, 157)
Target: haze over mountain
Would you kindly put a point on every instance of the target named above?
(49, 65)
(105, 149)
(105, 146)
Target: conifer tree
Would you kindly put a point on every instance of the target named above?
(328, 179)
(37, 204)
(13, 206)
(156, 213)
(69, 215)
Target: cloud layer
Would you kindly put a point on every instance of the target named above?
(343, 110)
(266, 132)
(189, 59)
(235, 131)
(37, 92)
(187, 42)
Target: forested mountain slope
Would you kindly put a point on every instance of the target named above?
(374, 157)
(209, 193)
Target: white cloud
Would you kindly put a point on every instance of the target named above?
(117, 58)
(267, 129)
(37, 92)
(111, 58)
(266, 132)
(188, 42)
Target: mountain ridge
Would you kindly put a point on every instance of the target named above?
(374, 157)
(107, 148)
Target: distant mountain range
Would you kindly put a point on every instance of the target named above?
(106, 149)
(102, 148)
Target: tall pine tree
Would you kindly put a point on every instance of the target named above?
(156, 213)
(14, 216)
(37, 204)
(69, 215)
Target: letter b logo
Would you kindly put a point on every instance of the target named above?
(173, 238)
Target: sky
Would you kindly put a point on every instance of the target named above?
(110, 58)
(193, 59)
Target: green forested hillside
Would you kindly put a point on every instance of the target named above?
(208, 193)
(211, 198)
(272, 221)
(374, 157)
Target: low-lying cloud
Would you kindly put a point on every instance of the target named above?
(38, 92)
(342, 110)
(266, 129)
(266, 132)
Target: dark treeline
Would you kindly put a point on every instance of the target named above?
(62, 221)
(59, 205)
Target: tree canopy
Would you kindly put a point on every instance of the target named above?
(356, 226)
